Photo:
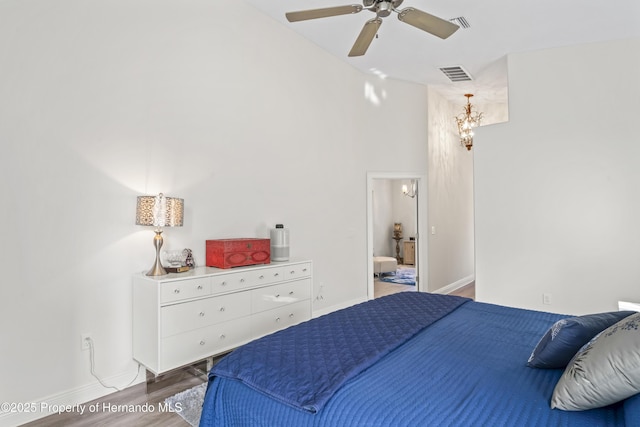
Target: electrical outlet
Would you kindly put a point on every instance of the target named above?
(319, 297)
(86, 341)
(546, 299)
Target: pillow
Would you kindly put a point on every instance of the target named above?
(563, 340)
(605, 371)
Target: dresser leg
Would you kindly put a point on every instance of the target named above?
(156, 382)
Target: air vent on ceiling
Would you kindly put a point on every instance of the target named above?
(461, 21)
(456, 74)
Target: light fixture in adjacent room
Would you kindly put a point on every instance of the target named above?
(413, 192)
(466, 122)
(159, 211)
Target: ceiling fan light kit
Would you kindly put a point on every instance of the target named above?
(382, 8)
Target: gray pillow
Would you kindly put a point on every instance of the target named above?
(605, 371)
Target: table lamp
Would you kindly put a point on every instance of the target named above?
(159, 211)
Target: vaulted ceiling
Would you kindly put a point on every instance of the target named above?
(496, 28)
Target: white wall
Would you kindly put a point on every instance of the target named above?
(450, 195)
(382, 218)
(556, 199)
(106, 100)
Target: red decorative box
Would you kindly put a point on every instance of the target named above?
(226, 253)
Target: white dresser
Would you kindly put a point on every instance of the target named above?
(181, 318)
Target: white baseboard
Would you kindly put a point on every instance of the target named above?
(71, 399)
(455, 285)
(327, 310)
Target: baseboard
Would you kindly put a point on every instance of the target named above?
(46, 406)
(327, 310)
(455, 285)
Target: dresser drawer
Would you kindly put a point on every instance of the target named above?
(185, 289)
(275, 296)
(179, 319)
(191, 346)
(246, 279)
(196, 314)
(297, 271)
(272, 320)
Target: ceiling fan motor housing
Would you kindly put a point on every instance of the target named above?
(369, 3)
(382, 8)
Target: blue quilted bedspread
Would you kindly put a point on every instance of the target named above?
(305, 365)
(467, 369)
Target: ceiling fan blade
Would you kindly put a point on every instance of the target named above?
(367, 34)
(326, 12)
(427, 22)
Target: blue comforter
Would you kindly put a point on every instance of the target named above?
(466, 369)
(304, 366)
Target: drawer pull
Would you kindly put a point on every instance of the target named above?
(199, 287)
(291, 316)
(276, 274)
(292, 272)
(202, 342)
(261, 277)
(223, 284)
(176, 291)
(202, 314)
(241, 280)
(223, 336)
(291, 293)
(221, 309)
(277, 295)
(304, 270)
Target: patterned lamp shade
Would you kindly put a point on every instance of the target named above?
(160, 211)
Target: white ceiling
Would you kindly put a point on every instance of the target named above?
(497, 28)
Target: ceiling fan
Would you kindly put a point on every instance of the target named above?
(382, 8)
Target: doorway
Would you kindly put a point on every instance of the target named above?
(410, 212)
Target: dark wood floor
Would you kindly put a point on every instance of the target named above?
(138, 395)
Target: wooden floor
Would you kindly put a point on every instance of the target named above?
(468, 291)
(138, 394)
(381, 288)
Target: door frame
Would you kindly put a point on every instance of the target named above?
(421, 221)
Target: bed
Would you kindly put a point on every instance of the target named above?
(408, 359)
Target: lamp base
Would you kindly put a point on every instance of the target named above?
(157, 269)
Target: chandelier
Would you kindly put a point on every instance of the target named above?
(466, 122)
